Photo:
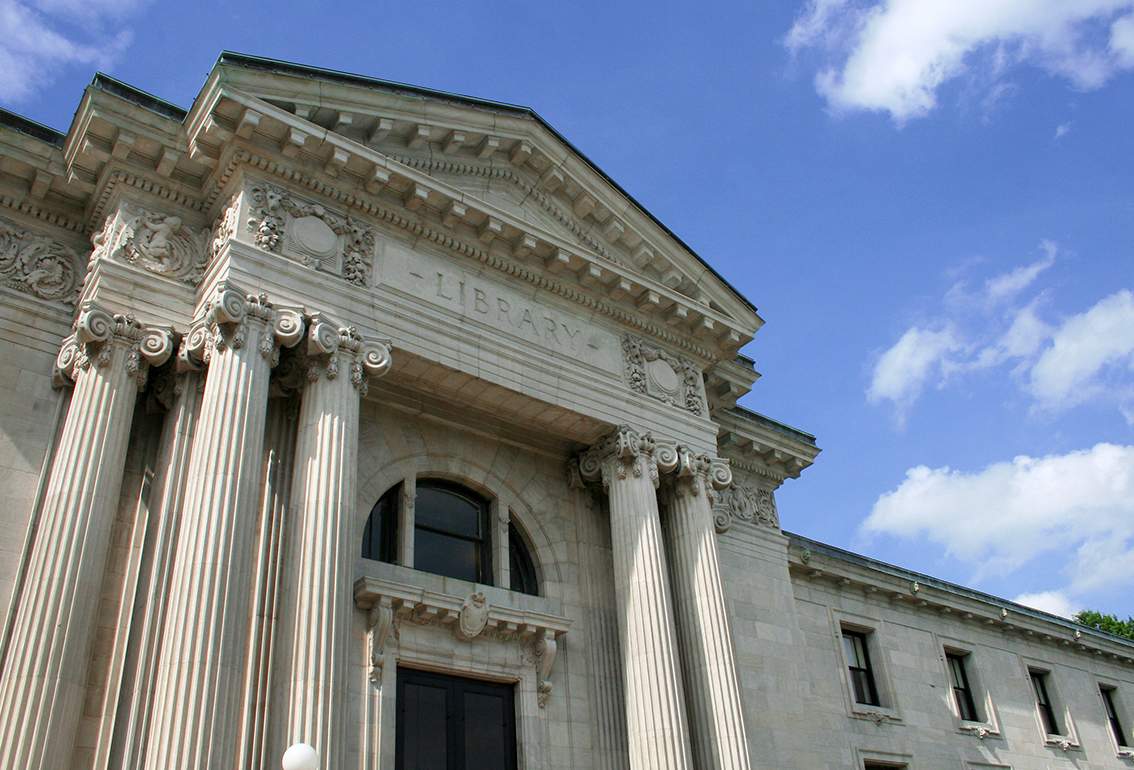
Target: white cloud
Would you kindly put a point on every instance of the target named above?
(1055, 602)
(33, 48)
(1084, 349)
(1008, 285)
(893, 55)
(902, 372)
(1062, 130)
(1001, 517)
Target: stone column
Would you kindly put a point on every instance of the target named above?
(43, 684)
(169, 491)
(199, 693)
(656, 727)
(323, 540)
(708, 661)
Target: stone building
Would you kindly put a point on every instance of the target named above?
(350, 413)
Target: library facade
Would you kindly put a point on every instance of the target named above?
(350, 424)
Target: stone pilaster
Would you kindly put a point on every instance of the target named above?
(708, 660)
(323, 542)
(199, 696)
(657, 730)
(43, 684)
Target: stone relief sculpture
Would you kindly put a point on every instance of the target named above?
(657, 373)
(158, 243)
(747, 503)
(36, 265)
(310, 234)
(474, 616)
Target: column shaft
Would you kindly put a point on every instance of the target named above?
(199, 696)
(711, 684)
(657, 731)
(324, 541)
(43, 685)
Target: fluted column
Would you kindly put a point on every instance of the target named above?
(657, 731)
(708, 661)
(324, 542)
(169, 491)
(199, 690)
(43, 684)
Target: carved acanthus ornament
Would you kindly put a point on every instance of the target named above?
(37, 265)
(225, 228)
(746, 503)
(96, 331)
(311, 234)
(158, 243)
(328, 343)
(659, 374)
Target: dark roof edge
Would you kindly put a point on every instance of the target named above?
(104, 82)
(31, 128)
(953, 588)
(277, 65)
(776, 425)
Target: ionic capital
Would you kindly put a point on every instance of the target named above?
(231, 312)
(329, 346)
(97, 332)
(623, 452)
(691, 473)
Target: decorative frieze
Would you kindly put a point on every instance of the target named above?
(311, 234)
(747, 503)
(37, 265)
(389, 604)
(657, 373)
(157, 243)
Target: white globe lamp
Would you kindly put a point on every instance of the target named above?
(300, 757)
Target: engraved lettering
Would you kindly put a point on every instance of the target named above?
(480, 301)
(503, 309)
(441, 286)
(571, 335)
(526, 318)
(551, 328)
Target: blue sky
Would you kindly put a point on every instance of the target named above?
(930, 203)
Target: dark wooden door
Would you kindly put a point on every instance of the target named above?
(453, 723)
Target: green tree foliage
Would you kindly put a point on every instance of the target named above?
(1106, 622)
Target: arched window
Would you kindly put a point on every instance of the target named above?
(520, 563)
(380, 537)
(451, 532)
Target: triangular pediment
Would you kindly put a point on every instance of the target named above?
(502, 155)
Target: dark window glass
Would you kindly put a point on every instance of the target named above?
(521, 567)
(380, 536)
(451, 532)
(452, 723)
(1043, 701)
(961, 690)
(861, 674)
(1112, 715)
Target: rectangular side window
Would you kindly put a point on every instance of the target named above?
(1112, 717)
(1043, 702)
(858, 663)
(962, 691)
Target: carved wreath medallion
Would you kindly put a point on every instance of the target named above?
(311, 234)
(659, 374)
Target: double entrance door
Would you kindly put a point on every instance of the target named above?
(453, 723)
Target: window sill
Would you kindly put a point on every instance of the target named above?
(981, 730)
(876, 714)
(1125, 752)
(1061, 742)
